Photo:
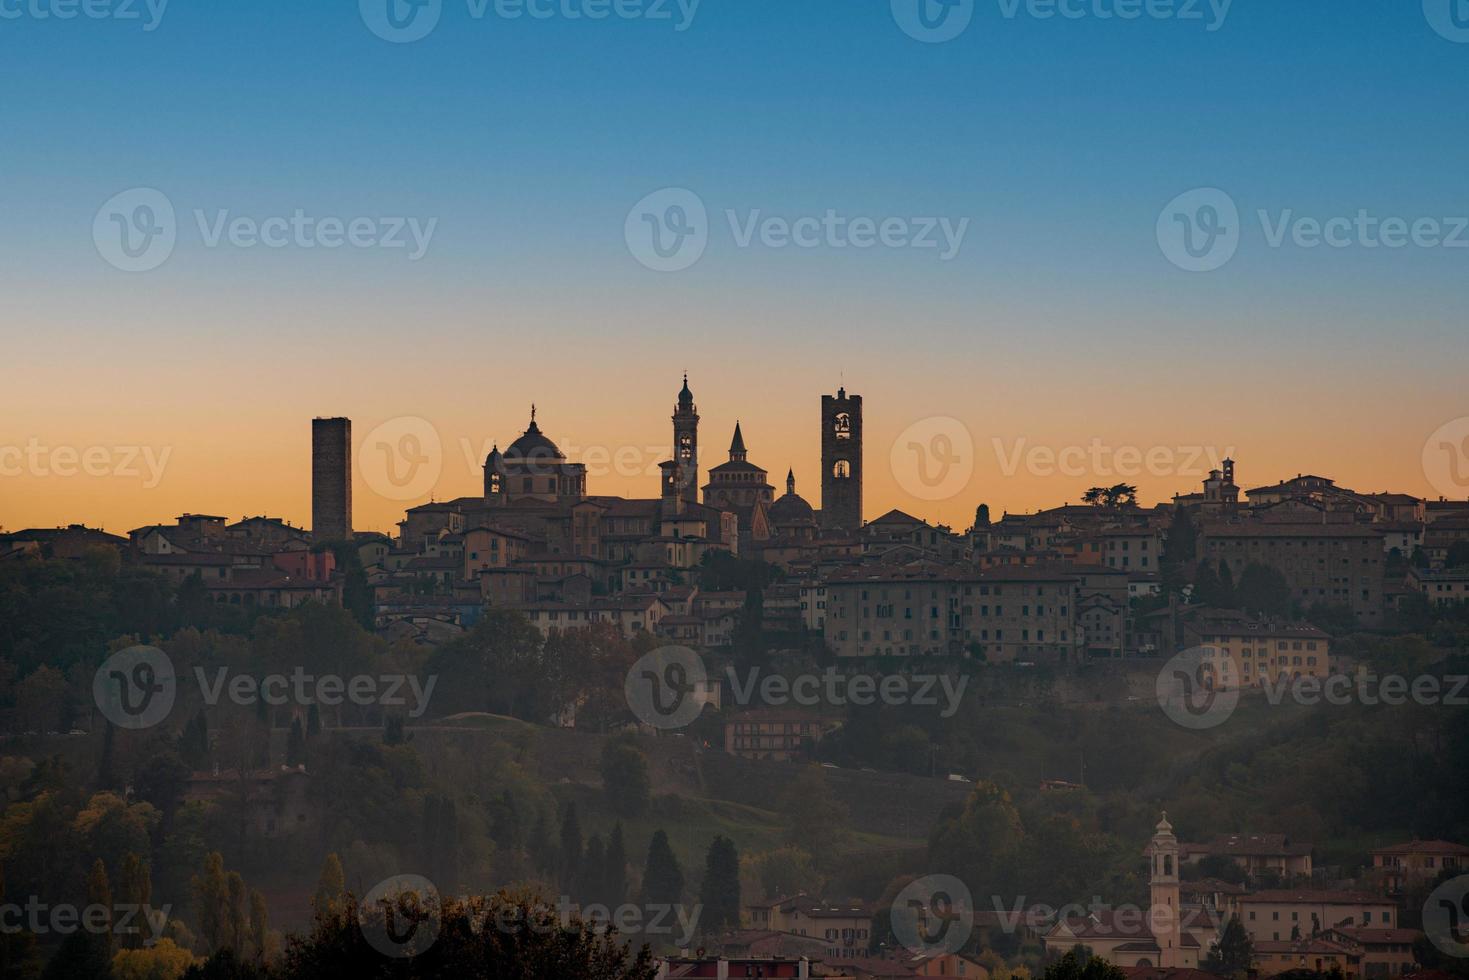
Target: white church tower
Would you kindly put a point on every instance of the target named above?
(1165, 916)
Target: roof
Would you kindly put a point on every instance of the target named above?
(533, 444)
(1424, 847)
(1261, 529)
(1287, 896)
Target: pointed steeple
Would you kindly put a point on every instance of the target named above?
(791, 480)
(737, 451)
(685, 396)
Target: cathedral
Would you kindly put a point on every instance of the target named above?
(739, 509)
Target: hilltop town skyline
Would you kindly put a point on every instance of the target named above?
(266, 471)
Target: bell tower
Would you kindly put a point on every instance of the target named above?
(841, 462)
(1164, 917)
(686, 443)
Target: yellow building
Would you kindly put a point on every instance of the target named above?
(1284, 915)
(1260, 650)
(1320, 955)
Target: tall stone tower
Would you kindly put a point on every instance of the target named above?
(841, 462)
(331, 479)
(686, 444)
(1164, 917)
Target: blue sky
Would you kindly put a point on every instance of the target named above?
(529, 140)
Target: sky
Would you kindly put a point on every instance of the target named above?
(1053, 243)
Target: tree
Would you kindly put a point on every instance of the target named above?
(571, 845)
(1180, 546)
(614, 877)
(1207, 588)
(40, 700)
(719, 892)
(164, 960)
(1458, 556)
(1094, 496)
(543, 947)
(814, 819)
(662, 877)
(1233, 952)
(625, 778)
(295, 744)
(1074, 967)
(135, 889)
(1263, 590)
(330, 889)
(1226, 585)
(591, 884)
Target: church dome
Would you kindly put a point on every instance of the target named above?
(791, 509)
(533, 444)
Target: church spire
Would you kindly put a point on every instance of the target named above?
(791, 480)
(737, 451)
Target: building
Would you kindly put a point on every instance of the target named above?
(1258, 651)
(1270, 855)
(1331, 564)
(781, 735)
(1319, 955)
(1417, 861)
(1166, 935)
(532, 468)
(1445, 588)
(331, 479)
(1382, 952)
(743, 488)
(686, 445)
(841, 462)
(1284, 914)
(1005, 614)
